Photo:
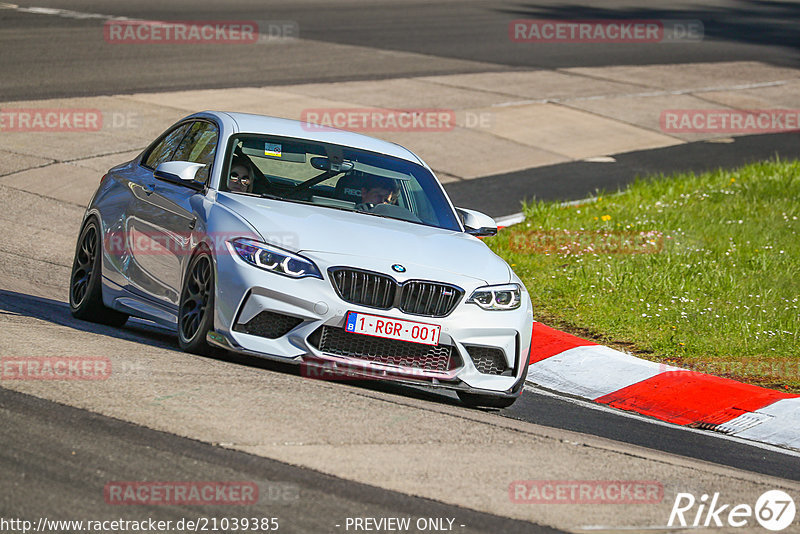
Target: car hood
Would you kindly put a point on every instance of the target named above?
(349, 236)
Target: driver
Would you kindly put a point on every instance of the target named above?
(379, 190)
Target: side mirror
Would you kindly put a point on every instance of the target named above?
(180, 172)
(477, 223)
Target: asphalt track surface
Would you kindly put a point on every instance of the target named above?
(76, 452)
(48, 56)
(536, 406)
(503, 194)
(72, 465)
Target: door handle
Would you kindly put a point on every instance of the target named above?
(149, 188)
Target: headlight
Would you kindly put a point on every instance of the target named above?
(273, 259)
(503, 297)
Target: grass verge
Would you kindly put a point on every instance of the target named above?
(700, 271)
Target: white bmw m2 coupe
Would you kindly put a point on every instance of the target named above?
(292, 241)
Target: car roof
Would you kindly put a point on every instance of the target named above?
(263, 124)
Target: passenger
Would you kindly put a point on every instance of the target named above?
(240, 180)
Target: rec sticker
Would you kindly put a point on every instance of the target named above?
(272, 149)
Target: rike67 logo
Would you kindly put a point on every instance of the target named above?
(774, 510)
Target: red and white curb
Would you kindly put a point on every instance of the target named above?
(571, 365)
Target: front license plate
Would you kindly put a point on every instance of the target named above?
(375, 325)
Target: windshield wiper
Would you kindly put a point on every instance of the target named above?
(271, 196)
(284, 199)
(365, 212)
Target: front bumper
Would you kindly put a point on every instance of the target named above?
(306, 307)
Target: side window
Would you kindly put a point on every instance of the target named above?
(163, 151)
(198, 146)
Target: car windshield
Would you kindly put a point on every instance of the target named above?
(335, 177)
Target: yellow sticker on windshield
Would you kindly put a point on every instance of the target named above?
(272, 149)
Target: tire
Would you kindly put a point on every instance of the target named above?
(85, 282)
(476, 400)
(196, 310)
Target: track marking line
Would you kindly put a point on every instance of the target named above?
(63, 13)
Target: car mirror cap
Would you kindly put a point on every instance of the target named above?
(477, 223)
(183, 172)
